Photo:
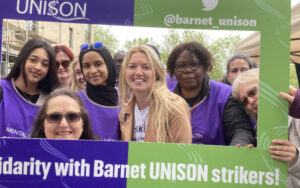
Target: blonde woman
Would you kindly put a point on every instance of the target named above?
(78, 81)
(150, 112)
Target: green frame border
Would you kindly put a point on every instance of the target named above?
(273, 21)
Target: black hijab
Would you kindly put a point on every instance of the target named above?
(104, 95)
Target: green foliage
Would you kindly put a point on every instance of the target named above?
(222, 49)
(139, 41)
(107, 38)
(175, 37)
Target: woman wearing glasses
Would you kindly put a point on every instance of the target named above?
(32, 77)
(64, 56)
(150, 112)
(216, 117)
(63, 117)
(100, 97)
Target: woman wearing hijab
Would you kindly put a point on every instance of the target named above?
(100, 97)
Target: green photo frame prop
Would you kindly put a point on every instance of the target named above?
(179, 165)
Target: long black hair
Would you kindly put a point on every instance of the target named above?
(50, 82)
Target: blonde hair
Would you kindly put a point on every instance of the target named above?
(74, 85)
(160, 102)
(247, 77)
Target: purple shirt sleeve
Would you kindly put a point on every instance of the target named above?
(295, 106)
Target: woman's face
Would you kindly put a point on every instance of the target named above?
(63, 69)
(36, 66)
(79, 77)
(94, 68)
(249, 96)
(188, 71)
(236, 67)
(138, 74)
(63, 119)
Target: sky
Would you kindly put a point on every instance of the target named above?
(123, 33)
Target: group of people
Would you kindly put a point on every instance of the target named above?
(131, 97)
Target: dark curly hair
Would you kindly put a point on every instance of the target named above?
(203, 55)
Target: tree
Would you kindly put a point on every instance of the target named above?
(175, 37)
(138, 41)
(222, 49)
(105, 36)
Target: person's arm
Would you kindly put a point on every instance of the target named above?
(237, 125)
(294, 169)
(286, 151)
(295, 106)
(294, 99)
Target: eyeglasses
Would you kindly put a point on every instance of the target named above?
(251, 93)
(65, 64)
(96, 45)
(55, 118)
(193, 67)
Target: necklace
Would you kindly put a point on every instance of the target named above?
(194, 105)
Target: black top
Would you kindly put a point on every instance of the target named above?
(28, 97)
(237, 124)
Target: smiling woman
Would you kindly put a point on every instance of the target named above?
(150, 112)
(32, 77)
(63, 117)
(100, 97)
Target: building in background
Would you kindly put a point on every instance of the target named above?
(15, 33)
